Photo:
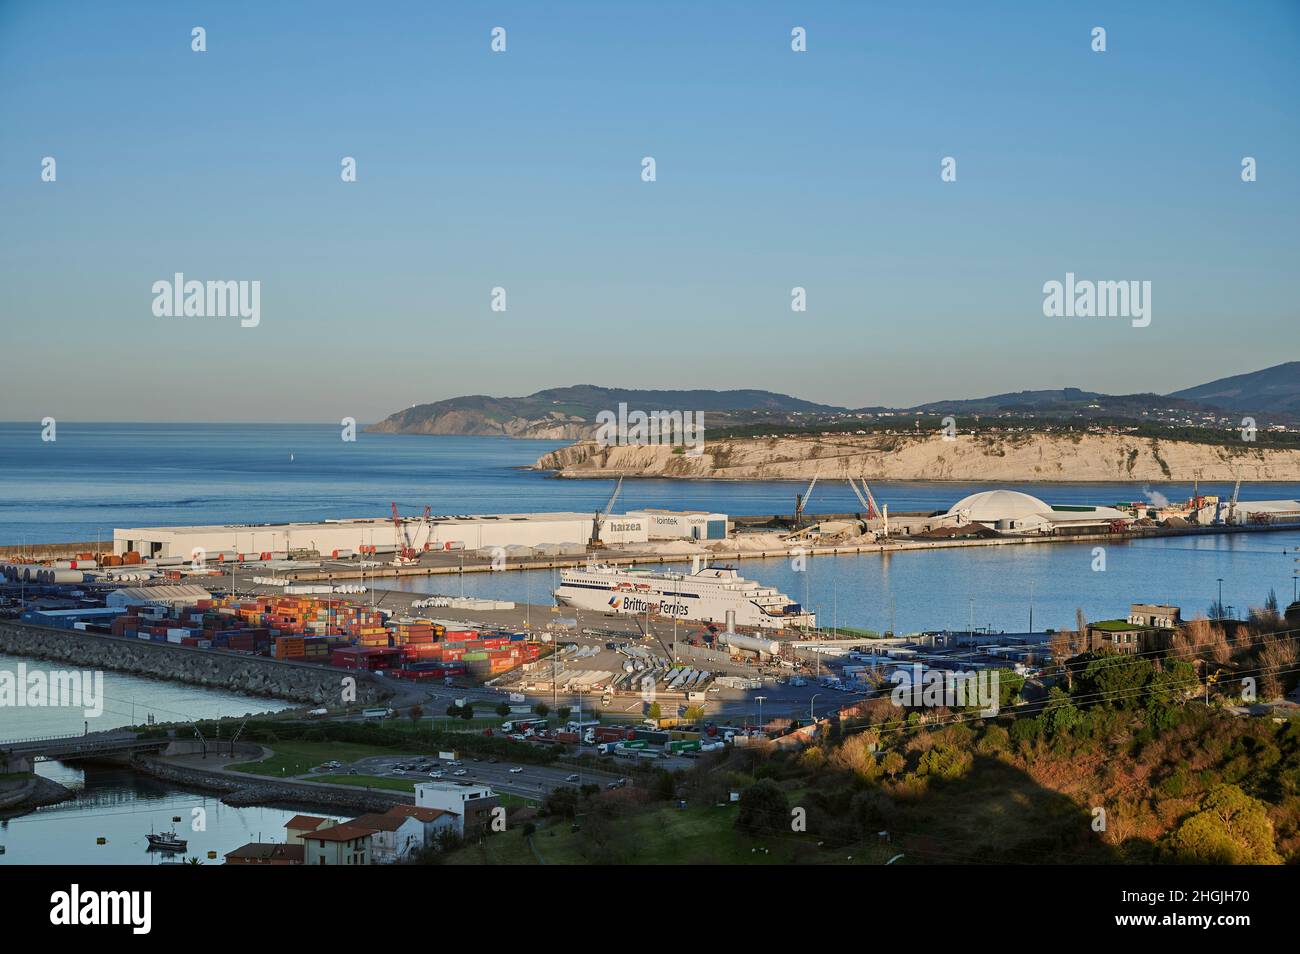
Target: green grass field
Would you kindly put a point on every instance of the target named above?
(298, 758)
(515, 801)
(666, 836)
(371, 781)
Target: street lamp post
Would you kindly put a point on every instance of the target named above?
(1219, 605)
(811, 716)
(1031, 607)
(760, 713)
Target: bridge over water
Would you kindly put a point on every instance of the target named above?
(69, 748)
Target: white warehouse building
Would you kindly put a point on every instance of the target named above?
(683, 524)
(344, 537)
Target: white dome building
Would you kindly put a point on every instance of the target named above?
(1010, 511)
(989, 506)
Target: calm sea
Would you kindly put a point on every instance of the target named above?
(95, 477)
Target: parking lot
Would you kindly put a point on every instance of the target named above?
(533, 781)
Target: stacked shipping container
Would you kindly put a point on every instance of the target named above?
(337, 632)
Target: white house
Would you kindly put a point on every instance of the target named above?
(471, 805)
(346, 844)
(434, 821)
(395, 836)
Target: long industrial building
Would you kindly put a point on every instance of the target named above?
(683, 524)
(438, 533)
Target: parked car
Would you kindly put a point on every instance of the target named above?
(435, 775)
(516, 770)
(459, 772)
(571, 778)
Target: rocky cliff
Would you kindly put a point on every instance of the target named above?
(473, 423)
(1028, 457)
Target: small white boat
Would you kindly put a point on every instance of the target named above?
(165, 841)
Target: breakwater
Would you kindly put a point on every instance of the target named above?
(30, 793)
(251, 675)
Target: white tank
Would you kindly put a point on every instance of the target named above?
(752, 643)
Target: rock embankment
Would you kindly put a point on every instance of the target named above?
(253, 790)
(257, 676)
(968, 457)
(30, 793)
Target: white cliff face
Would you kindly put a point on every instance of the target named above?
(476, 424)
(1030, 457)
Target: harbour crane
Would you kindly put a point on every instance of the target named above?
(868, 501)
(1232, 506)
(598, 521)
(407, 554)
(865, 498)
(801, 500)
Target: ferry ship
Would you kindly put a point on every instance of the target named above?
(706, 594)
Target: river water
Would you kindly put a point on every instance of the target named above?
(118, 804)
(123, 806)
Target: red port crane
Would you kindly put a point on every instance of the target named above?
(406, 552)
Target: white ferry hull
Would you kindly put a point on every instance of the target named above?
(699, 598)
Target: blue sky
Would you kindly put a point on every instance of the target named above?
(522, 170)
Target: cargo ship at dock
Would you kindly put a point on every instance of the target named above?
(705, 595)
